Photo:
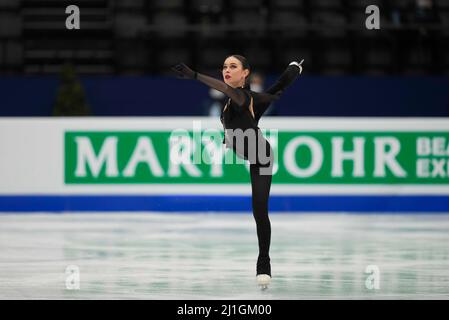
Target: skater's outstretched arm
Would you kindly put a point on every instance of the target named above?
(236, 95)
(264, 100)
(289, 75)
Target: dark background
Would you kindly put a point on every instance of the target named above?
(122, 54)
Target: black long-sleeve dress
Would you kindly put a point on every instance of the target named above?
(241, 114)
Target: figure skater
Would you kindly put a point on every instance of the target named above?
(240, 117)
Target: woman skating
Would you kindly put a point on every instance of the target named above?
(240, 117)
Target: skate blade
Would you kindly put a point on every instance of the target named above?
(264, 287)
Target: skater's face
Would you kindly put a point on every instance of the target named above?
(234, 74)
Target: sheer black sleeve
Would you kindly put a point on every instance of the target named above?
(286, 79)
(263, 100)
(238, 96)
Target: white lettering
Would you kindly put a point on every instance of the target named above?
(86, 156)
(357, 156)
(143, 152)
(384, 158)
(290, 156)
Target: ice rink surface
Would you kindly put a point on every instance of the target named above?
(213, 256)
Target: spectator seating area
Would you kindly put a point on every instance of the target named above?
(146, 37)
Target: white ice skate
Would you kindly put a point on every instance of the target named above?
(263, 280)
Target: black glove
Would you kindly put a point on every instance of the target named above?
(184, 71)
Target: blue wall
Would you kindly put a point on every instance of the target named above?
(308, 96)
(409, 204)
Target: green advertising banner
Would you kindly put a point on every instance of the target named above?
(346, 157)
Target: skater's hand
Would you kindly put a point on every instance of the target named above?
(298, 64)
(184, 71)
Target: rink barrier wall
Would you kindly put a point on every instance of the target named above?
(127, 164)
(225, 204)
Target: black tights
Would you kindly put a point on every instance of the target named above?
(261, 176)
(260, 185)
(261, 169)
